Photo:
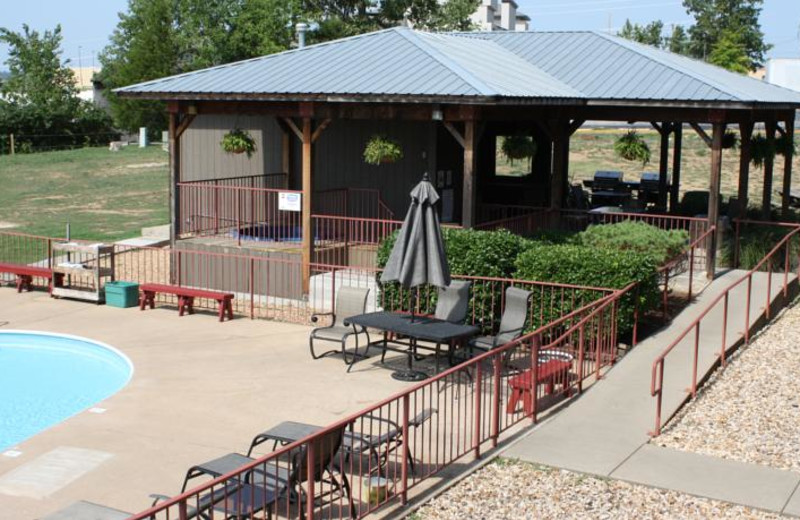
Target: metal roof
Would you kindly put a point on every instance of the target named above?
(605, 67)
(582, 67)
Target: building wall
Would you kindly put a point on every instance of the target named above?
(203, 158)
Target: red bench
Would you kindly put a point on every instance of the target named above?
(549, 373)
(186, 296)
(26, 273)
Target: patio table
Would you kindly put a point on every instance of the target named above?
(416, 328)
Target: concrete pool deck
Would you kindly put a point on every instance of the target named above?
(200, 389)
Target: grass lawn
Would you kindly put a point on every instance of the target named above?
(104, 195)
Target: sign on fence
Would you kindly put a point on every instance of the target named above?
(288, 201)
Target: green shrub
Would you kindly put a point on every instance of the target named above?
(596, 267)
(755, 241)
(638, 237)
(469, 252)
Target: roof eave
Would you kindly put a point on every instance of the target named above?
(709, 105)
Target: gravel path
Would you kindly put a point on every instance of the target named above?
(516, 490)
(750, 411)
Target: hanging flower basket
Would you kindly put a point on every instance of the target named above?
(382, 150)
(729, 140)
(632, 147)
(518, 147)
(238, 141)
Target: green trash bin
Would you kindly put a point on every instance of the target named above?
(122, 294)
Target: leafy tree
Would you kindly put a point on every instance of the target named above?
(729, 53)
(143, 47)
(37, 75)
(715, 18)
(649, 34)
(678, 41)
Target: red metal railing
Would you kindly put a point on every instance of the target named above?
(690, 259)
(243, 213)
(349, 240)
(24, 249)
(452, 415)
(277, 181)
(782, 248)
(352, 202)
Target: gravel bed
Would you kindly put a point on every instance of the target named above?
(516, 490)
(750, 411)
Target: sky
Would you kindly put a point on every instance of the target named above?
(87, 24)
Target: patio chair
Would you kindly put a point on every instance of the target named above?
(350, 301)
(263, 486)
(382, 444)
(512, 323)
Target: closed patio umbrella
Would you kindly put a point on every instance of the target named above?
(418, 256)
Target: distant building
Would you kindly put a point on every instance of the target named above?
(784, 72)
(500, 15)
(89, 89)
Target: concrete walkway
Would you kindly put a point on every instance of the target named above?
(605, 431)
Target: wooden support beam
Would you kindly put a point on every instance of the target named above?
(574, 125)
(663, 165)
(769, 167)
(677, 147)
(185, 122)
(321, 128)
(286, 157)
(658, 128)
(174, 178)
(455, 133)
(787, 168)
(468, 199)
(746, 133)
(560, 162)
(290, 124)
(702, 133)
(308, 236)
(713, 197)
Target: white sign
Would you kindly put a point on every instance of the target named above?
(288, 201)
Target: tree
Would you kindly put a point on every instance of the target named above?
(714, 18)
(729, 53)
(649, 34)
(143, 47)
(37, 75)
(678, 42)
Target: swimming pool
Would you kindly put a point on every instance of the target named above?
(46, 378)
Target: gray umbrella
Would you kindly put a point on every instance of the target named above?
(418, 255)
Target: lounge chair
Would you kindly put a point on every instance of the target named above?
(82, 510)
(262, 487)
(350, 301)
(512, 323)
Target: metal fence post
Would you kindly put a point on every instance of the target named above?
(476, 430)
(310, 456)
(536, 343)
(496, 402)
(404, 466)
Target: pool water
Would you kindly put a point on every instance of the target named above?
(46, 378)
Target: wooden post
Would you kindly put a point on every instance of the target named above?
(769, 163)
(11, 143)
(559, 174)
(308, 237)
(713, 197)
(468, 200)
(677, 146)
(663, 166)
(175, 177)
(746, 133)
(787, 166)
(286, 157)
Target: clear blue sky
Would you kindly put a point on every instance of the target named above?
(87, 24)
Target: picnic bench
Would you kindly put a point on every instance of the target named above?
(26, 273)
(186, 296)
(549, 373)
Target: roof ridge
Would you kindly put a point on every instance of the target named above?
(472, 80)
(639, 47)
(257, 58)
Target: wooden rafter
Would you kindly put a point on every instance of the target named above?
(455, 133)
(574, 125)
(702, 133)
(184, 124)
(291, 125)
(321, 128)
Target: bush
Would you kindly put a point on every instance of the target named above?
(469, 252)
(596, 267)
(638, 237)
(755, 241)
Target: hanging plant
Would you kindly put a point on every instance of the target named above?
(761, 149)
(632, 147)
(382, 150)
(518, 147)
(729, 140)
(783, 145)
(238, 141)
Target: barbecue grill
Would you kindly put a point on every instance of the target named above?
(608, 188)
(648, 187)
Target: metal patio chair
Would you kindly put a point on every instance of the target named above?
(83, 510)
(512, 323)
(350, 301)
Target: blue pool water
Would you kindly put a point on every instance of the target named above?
(46, 378)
